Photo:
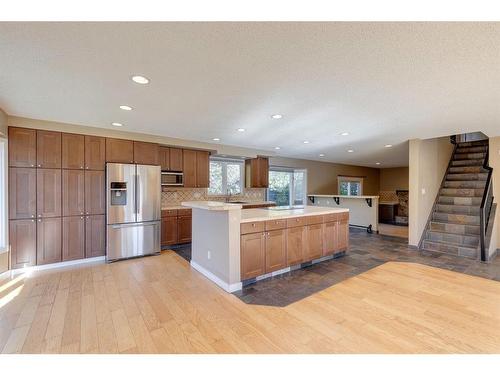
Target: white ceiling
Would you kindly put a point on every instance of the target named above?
(381, 82)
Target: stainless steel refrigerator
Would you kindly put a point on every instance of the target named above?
(133, 210)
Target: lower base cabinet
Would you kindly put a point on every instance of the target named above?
(343, 235)
(168, 230)
(330, 238)
(184, 229)
(73, 238)
(22, 237)
(95, 236)
(275, 253)
(295, 243)
(314, 242)
(48, 240)
(252, 255)
(176, 227)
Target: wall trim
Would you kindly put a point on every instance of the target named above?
(230, 288)
(68, 263)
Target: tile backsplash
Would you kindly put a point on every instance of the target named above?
(174, 196)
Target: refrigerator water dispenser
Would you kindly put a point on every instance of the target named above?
(118, 193)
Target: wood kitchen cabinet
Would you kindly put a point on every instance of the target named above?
(22, 147)
(343, 234)
(314, 240)
(48, 192)
(184, 229)
(95, 193)
(295, 243)
(73, 151)
(48, 149)
(95, 153)
(257, 172)
(95, 236)
(22, 193)
(22, 238)
(196, 168)
(189, 167)
(119, 150)
(48, 240)
(73, 238)
(330, 237)
(275, 253)
(252, 255)
(73, 192)
(168, 230)
(164, 158)
(145, 153)
(176, 159)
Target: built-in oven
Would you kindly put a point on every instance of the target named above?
(172, 179)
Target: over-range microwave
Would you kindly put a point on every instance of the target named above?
(172, 179)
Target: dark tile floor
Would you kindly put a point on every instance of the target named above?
(366, 251)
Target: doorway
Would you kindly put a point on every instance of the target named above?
(287, 186)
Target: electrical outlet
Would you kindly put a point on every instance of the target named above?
(209, 254)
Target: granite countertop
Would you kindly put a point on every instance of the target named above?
(247, 203)
(212, 205)
(262, 214)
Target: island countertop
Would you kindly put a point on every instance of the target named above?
(262, 214)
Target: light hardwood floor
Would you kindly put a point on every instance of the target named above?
(160, 305)
(393, 230)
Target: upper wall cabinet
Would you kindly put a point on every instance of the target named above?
(257, 172)
(48, 150)
(95, 153)
(196, 168)
(170, 159)
(73, 151)
(164, 158)
(146, 153)
(22, 147)
(119, 150)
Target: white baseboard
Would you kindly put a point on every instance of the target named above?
(57, 265)
(230, 288)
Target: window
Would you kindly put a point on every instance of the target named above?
(287, 186)
(3, 195)
(350, 185)
(226, 176)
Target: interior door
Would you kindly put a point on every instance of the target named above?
(148, 189)
(121, 203)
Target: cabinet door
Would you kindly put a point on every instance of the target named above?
(22, 193)
(95, 193)
(146, 153)
(164, 158)
(189, 162)
(73, 192)
(48, 192)
(295, 244)
(48, 149)
(252, 255)
(95, 153)
(73, 151)
(263, 172)
(314, 239)
(22, 238)
(202, 169)
(275, 250)
(168, 230)
(176, 160)
(22, 147)
(95, 236)
(119, 150)
(343, 235)
(183, 229)
(330, 237)
(73, 238)
(48, 240)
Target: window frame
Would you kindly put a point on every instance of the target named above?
(341, 179)
(225, 162)
(292, 184)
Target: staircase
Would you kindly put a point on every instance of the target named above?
(456, 225)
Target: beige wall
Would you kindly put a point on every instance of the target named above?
(3, 123)
(394, 179)
(494, 161)
(428, 162)
(322, 176)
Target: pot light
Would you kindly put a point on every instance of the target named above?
(126, 107)
(140, 80)
(388, 146)
(277, 148)
(321, 155)
(116, 124)
(377, 163)
(277, 116)
(215, 139)
(344, 133)
(350, 150)
(306, 142)
(241, 130)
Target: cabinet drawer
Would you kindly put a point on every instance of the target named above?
(332, 217)
(275, 224)
(167, 213)
(317, 219)
(255, 227)
(296, 222)
(184, 212)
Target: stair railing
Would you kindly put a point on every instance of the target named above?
(485, 208)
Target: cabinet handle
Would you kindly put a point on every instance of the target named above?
(81, 217)
(81, 166)
(32, 165)
(32, 215)
(39, 220)
(87, 212)
(39, 215)
(39, 165)
(33, 220)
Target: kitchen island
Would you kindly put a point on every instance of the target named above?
(231, 246)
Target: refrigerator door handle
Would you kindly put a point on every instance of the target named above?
(138, 194)
(118, 226)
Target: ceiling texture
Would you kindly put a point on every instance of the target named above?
(384, 83)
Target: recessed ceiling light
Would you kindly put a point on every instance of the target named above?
(277, 148)
(350, 150)
(116, 124)
(277, 116)
(126, 107)
(305, 142)
(321, 155)
(344, 133)
(241, 130)
(215, 139)
(377, 163)
(388, 146)
(140, 80)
